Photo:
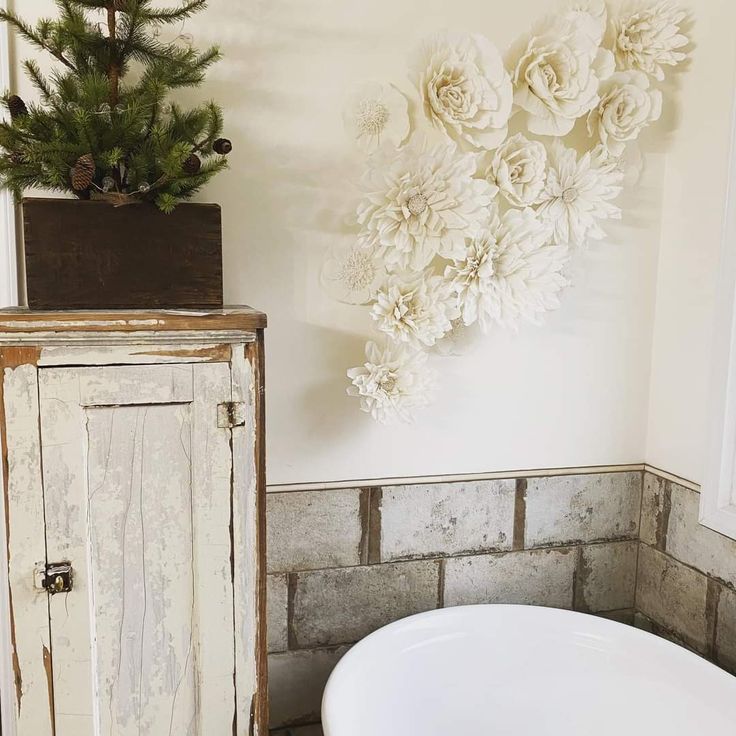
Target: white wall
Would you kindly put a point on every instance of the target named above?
(573, 393)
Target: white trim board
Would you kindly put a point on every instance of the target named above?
(8, 254)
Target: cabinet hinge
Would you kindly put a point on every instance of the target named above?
(231, 414)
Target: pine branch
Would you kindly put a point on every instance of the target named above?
(33, 37)
(174, 15)
(33, 71)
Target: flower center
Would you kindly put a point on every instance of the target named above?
(417, 204)
(357, 271)
(388, 384)
(372, 117)
(570, 195)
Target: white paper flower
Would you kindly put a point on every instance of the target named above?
(510, 272)
(649, 38)
(393, 381)
(557, 72)
(626, 107)
(352, 273)
(421, 202)
(375, 113)
(418, 310)
(579, 194)
(519, 169)
(593, 16)
(465, 89)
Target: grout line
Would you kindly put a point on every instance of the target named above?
(373, 552)
(291, 582)
(365, 524)
(519, 532)
(442, 564)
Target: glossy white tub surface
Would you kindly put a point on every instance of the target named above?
(498, 670)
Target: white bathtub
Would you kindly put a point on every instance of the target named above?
(524, 671)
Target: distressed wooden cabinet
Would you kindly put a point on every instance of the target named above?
(133, 455)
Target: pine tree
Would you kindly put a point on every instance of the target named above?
(104, 127)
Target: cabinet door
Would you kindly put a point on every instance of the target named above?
(137, 479)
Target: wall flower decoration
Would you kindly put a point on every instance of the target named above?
(419, 202)
(375, 113)
(627, 106)
(465, 89)
(649, 39)
(453, 240)
(519, 170)
(392, 382)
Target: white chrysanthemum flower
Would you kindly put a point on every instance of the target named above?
(420, 202)
(648, 39)
(418, 310)
(465, 89)
(579, 193)
(510, 273)
(626, 107)
(519, 169)
(375, 113)
(352, 273)
(393, 381)
(557, 72)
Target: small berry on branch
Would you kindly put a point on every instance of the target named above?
(222, 146)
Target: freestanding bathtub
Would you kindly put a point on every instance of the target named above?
(502, 670)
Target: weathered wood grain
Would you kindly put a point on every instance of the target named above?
(141, 354)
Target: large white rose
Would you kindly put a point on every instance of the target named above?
(627, 105)
(519, 169)
(649, 39)
(556, 73)
(420, 202)
(465, 89)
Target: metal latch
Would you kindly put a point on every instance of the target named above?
(58, 577)
(231, 414)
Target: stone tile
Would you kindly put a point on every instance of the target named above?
(627, 617)
(582, 508)
(343, 606)
(673, 596)
(607, 577)
(654, 510)
(309, 530)
(277, 594)
(726, 631)
(296, 681)
(536, 577)
(447, 519)
(696, 545)
(314, 730)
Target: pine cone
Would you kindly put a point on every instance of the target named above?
(192, 165)
(222, 146)
(16, 158)
(16, 107)
(83, 173)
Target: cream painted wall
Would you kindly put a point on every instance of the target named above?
(573, 393)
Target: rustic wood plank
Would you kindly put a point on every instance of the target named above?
(28, 607)
(65, 355)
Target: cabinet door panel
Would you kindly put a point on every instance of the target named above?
(138, 497)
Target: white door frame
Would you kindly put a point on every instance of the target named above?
(8, 257)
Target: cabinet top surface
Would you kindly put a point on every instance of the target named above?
(242, 318)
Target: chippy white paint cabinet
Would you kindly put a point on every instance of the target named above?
(133, 474)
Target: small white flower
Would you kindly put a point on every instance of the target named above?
(352, 273)
(375, 113)
(519, 169)
(420, 202)
(648, 39)
(626, 107)
(393, 381)
(557, 72)
(510, 272)
(465, 89)
(418, 310)
(579, 193)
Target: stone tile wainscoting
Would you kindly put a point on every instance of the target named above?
(344, 562)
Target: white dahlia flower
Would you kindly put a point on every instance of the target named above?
(420, 202)
(519, 169)
(416, 309)
(626, 107)
(510, 272)
(392, 382)
(649, 38)
(465, 89)
(352, 273)
(579, 193)
(375, 113)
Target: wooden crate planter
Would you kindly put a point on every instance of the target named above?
(91, 255)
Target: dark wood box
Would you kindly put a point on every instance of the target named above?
(92, 255)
